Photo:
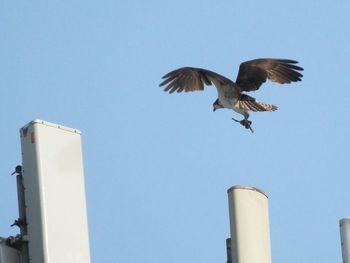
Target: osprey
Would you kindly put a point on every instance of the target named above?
(231, 95)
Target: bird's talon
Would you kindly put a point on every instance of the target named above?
(246, 123)
(247, 126)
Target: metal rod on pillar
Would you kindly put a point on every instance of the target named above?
(249, 225)
(21, 222)
(228, 250)
(344, 225)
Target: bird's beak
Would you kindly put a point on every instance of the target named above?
(214, 109)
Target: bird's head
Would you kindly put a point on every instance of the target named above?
(217, 105)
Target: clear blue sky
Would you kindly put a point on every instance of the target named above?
(157, 166)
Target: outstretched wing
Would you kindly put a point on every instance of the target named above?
(252, 74)
(191, 79)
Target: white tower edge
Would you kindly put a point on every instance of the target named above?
(249, 225)
(53, 178)
(344, 225)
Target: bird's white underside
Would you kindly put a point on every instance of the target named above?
(228, 97)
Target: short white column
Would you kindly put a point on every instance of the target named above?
(249, 225)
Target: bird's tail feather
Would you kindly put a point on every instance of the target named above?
(253, 105)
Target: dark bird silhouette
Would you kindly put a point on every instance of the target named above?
(231, 95)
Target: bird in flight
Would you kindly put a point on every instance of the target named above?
(231, 95)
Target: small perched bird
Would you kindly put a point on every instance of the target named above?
(231, 95)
